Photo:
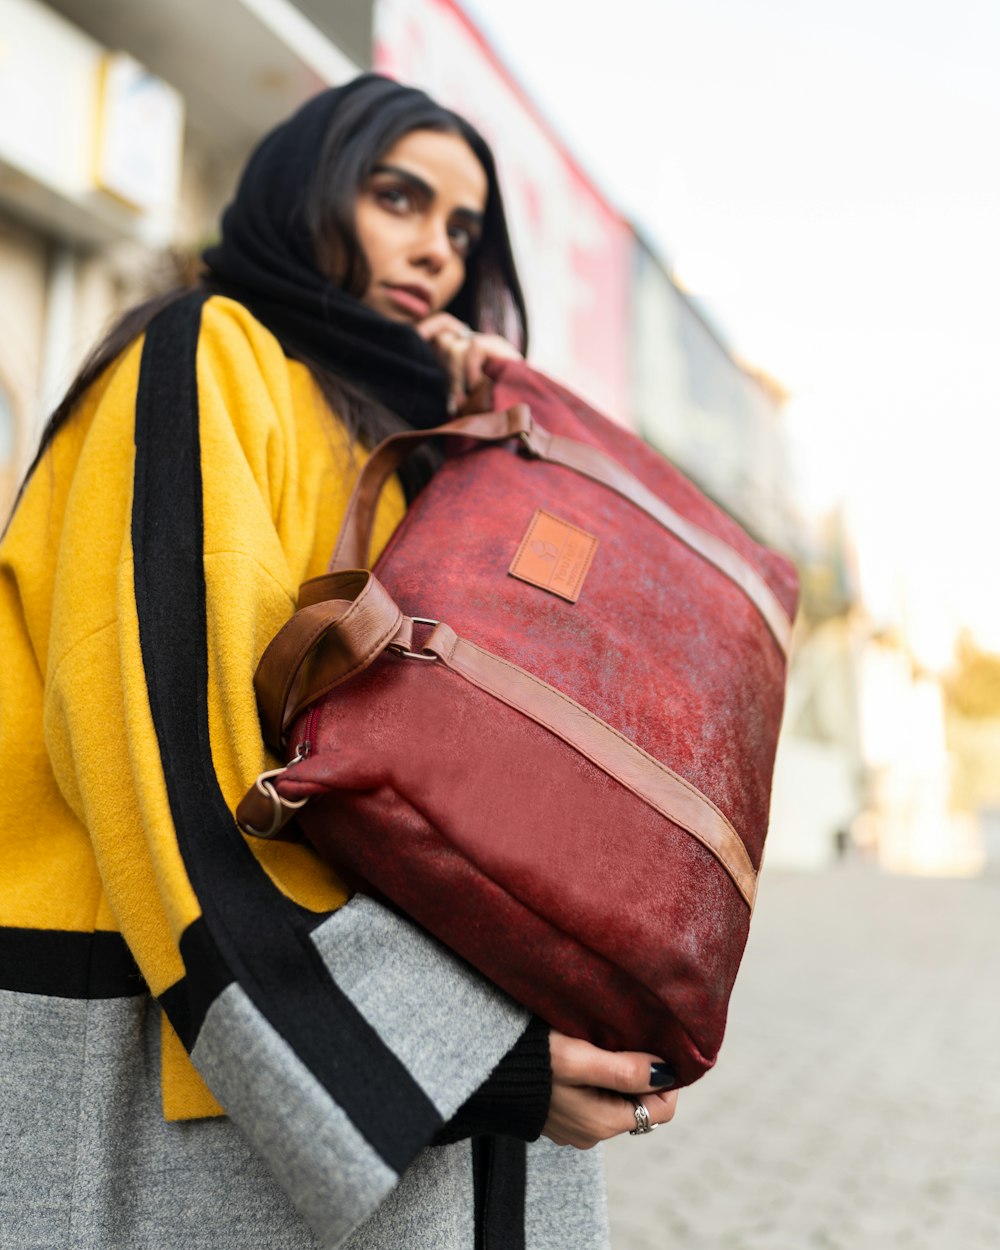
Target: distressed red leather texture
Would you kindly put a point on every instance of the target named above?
(561, 885)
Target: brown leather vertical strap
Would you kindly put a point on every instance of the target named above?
(354, 541)
(593, 463)
(637, 770)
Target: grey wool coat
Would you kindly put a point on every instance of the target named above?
(89, 1163)
(153, 971)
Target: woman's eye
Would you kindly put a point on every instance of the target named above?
(394, 198)
(462, 239)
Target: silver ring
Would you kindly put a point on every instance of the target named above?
(643, 1124)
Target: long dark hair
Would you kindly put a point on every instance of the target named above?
(375, 116)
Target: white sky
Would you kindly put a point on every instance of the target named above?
(825, 176)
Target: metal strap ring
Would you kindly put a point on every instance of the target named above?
(416, 655)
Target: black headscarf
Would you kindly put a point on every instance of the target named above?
(266, 261)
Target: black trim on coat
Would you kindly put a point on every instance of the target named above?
(249, 931)
(499, 1178)
(57, 963)
(187, 1001)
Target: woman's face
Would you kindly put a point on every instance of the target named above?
(418, 216)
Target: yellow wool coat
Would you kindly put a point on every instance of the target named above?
(156, 967)
(80, 752)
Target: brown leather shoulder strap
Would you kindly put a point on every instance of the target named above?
(325, 642)
(593, 463)
(653, 782)
(263, 812)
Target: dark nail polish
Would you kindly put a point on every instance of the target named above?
(662, 1075)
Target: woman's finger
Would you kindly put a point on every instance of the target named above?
(450, 339)
(436, 323)
(484, 347)
(463, 353)
(583, 1117)
(451, 350)
(660, 1109)
(576, 1062)
(496, 347)
(475, 357)
(458, 350)
(480, 399)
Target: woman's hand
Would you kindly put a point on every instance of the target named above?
(583, 1110)
(463, 353)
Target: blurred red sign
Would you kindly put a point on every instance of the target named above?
(573, 250)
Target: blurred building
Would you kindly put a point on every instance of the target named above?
(972, 732)
(122, 127)
(720, 422)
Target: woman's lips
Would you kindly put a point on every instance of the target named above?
(409, 300)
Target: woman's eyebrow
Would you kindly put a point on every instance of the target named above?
(470, 215)
(425, 189)
(413, 179)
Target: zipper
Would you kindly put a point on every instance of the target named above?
(303, 748)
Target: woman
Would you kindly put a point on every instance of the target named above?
(158, 967)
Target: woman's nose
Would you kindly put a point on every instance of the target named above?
(433, 246)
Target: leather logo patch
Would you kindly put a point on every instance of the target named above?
(554, 556)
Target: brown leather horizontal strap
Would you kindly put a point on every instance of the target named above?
(614, 754)
(593, 463)
(325, 643)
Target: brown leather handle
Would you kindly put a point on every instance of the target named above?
(354, 542)
(327, 641)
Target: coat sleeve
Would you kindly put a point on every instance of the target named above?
(338, 1036)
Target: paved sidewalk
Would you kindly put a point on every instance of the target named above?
(856, 1103)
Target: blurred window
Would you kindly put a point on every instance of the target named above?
(6, 429)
